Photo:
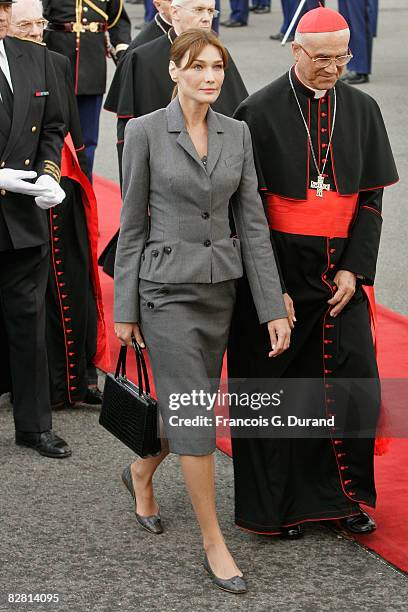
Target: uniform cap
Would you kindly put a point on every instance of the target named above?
(321, 20)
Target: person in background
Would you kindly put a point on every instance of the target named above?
(75, 327)
(79, 30)
(289, 8)
(260, 7)
(31, 139)
(373, 7)
(147, 65)
(184, 168)
(360, 15)
(239, 14)
(150, 10)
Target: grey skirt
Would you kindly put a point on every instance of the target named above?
(185, 327)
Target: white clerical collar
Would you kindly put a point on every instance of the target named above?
(318, 93)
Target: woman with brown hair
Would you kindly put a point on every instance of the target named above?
(176, 272)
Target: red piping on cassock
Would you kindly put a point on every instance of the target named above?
(71, 169)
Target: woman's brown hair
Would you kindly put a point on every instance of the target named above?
(193, 42)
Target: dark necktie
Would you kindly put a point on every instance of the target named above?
(6, 94)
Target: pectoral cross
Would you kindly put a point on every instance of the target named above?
(320, 185)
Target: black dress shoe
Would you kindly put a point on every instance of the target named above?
(253, 8)
(236, 584)
(150, 523)
(292, 533)
(47, 443)
(359, 523)
(355, 78)
(93, 397)
(262, 10)
(279, 36)
(231, 23)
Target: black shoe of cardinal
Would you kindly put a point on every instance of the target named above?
(360, 523)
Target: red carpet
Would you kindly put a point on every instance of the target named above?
(391, 538)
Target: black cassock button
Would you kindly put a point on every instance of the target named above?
(167, 250)
(205, 215)
(150, 305)
(155, 253)
(207, 243)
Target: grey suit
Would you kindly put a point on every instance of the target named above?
(189, 239)
(177, 279)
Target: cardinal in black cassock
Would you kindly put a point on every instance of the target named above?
(145, 84)
(141, 85)
(323, 199)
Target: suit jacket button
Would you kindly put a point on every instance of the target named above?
(150, 305)
(155, 253)
(207, 243)
(205, 215)
(167, 250)
(26, 162)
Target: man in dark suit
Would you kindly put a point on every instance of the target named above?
(31, 138)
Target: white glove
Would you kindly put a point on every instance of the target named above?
(15, 181)
(53, 194)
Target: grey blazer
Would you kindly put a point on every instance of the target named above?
(188, 238)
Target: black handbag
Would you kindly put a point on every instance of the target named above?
(128, 411)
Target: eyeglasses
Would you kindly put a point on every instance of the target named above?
(25, 26)
(200, 10)
(324, 62)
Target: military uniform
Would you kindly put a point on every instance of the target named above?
(31, 138)
(78, 29)
(361, 17)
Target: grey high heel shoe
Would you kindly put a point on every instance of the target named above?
(150, 523)
(236, 584)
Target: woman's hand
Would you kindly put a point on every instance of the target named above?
(279, 333)
(125, 331)
(290, 309)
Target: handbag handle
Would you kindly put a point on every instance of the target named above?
(140, 355)
(140, 365)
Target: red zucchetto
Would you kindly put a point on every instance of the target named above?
(321, 20)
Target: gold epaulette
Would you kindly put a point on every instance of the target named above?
(115, 21)
(97, 9)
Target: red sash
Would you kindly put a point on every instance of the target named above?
(329, 216)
